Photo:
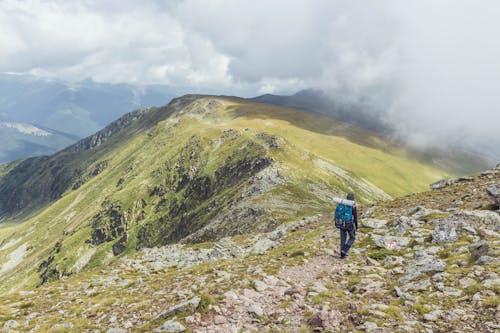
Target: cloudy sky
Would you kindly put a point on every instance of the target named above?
(433, 67)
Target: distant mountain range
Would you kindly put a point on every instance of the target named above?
(39, 116)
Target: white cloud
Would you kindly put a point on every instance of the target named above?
(431, 67)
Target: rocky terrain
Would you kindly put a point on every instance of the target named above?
(426, 262)
(198, 169)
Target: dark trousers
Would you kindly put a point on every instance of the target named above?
(345, 246)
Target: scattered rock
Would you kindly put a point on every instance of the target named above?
(262, 246)
(171, 327)
(318, 288)
(10, 324)
(494, 193)
(443, 183)
(433, 316)
(256, 310)
(478, 249)
(390, 242)
(259, 286)
(295, 290)
(115, 330)
(484, 260)
(329, 321)
(419, 285)
(445, 231)
(188, 306)
(466, 282)
(490, 283)
(373, 223)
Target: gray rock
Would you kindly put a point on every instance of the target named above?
(494, 193)
(171, 327)
(443, 183)
(438, 277)
(490, 283)
(10, 324)
(466, 282)
(433, 316)
(188, 306)
(478, 249)
(449, 291)
(445, 231)
(484, 260)
(422, 262)
(262, 246)
(373, 223)
(394, 260)
(399, 226)
(482, 218)
(115, 330)
(256, 310)
(318, 287)
(421, 213)
(259, 286)
(390, 242)
(398, 291)
(329, 321)
(370, 326)
(419, 285)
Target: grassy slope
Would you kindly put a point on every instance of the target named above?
(142, 296)
(137, 158)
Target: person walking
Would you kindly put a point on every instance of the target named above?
(346, 219)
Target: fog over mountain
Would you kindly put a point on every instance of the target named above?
(428, 68)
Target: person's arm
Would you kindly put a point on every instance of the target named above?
(355, 213)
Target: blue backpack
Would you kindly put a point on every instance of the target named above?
(343, 216)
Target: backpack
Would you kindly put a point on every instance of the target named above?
(343, 216)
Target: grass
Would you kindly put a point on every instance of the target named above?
(138, 156)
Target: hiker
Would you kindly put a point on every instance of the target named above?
(346, 219)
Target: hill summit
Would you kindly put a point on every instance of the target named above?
(199, 169)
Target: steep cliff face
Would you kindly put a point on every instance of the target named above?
(200, 169)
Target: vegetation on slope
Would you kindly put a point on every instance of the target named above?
(199, 169)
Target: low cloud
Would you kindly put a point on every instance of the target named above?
(430, 68)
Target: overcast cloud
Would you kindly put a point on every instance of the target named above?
(432, 68)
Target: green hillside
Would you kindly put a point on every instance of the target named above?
(198, 169)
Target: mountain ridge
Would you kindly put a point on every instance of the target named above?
(199, 169)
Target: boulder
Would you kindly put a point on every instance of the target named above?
(484, 260)
(419, 285)
(373, 223)
(423, 262)
(478, 249)
(262, 246)
(171, 327)
(494, 193)
(390, 242)
(259, 286)
(446, 230)
(490, 283)
(188, 306)
(329, 321)
(433, 316)
(10, 324)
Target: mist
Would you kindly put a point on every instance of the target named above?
(430, 69)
